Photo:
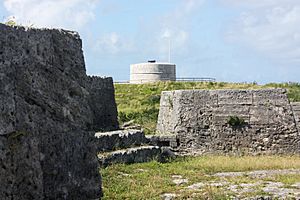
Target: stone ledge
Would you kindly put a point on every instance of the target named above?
(120, 139)
(130, 155)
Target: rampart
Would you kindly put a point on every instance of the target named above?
(230, 121)
(49, 112)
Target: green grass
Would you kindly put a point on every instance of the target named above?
(140, 102)
(287, 179)
(150, 180)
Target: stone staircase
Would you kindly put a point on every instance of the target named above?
(296, 110)
(126, 146)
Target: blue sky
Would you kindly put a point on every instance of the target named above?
(230, 40)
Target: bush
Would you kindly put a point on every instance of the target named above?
(235, 121)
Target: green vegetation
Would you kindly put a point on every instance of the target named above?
(140, 102)
(150, 180)
(11, 23)
(287, 179)
(235, 121)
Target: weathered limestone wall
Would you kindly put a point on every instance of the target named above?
(49, 111)
(296, 110)
(199, 119)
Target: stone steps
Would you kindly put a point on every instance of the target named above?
(132, 146)
(130, 155)
(120, 139)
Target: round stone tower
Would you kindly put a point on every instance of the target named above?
(152, 71)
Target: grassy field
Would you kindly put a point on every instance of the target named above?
(141, 102)
(151, 180)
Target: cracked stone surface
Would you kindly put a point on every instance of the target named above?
(259, 173)
(179, 180)
(196, 186)
(168, 196)
(276, 189)
(273, 189)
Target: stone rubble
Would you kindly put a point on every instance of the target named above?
(180, 181)
(168, 196)
(275, 190)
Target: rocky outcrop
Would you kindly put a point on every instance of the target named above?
(50, 110)
(229, 121)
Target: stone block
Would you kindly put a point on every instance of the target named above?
(232, 110)
(162, 140)
(270, 97)
(296, 106)
(199, 120)
(235, 97)
(120, 139)
(205, 99)
(130, 155)
(222, 113)
(259, 115)
(183, 97)
(167, 99)
(165, 123)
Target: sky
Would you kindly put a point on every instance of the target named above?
(230, 40)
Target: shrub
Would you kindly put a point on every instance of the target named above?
(235, 121)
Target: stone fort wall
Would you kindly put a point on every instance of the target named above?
(49, 112)
(200, 121)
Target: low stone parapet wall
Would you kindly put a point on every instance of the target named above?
(230, 121)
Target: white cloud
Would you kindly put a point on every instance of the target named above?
(258, 3)
(178, 41)
(71, 14)
(153, 36)
(179, 18)
(112, 43)
(271, 27)
(175, 27)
